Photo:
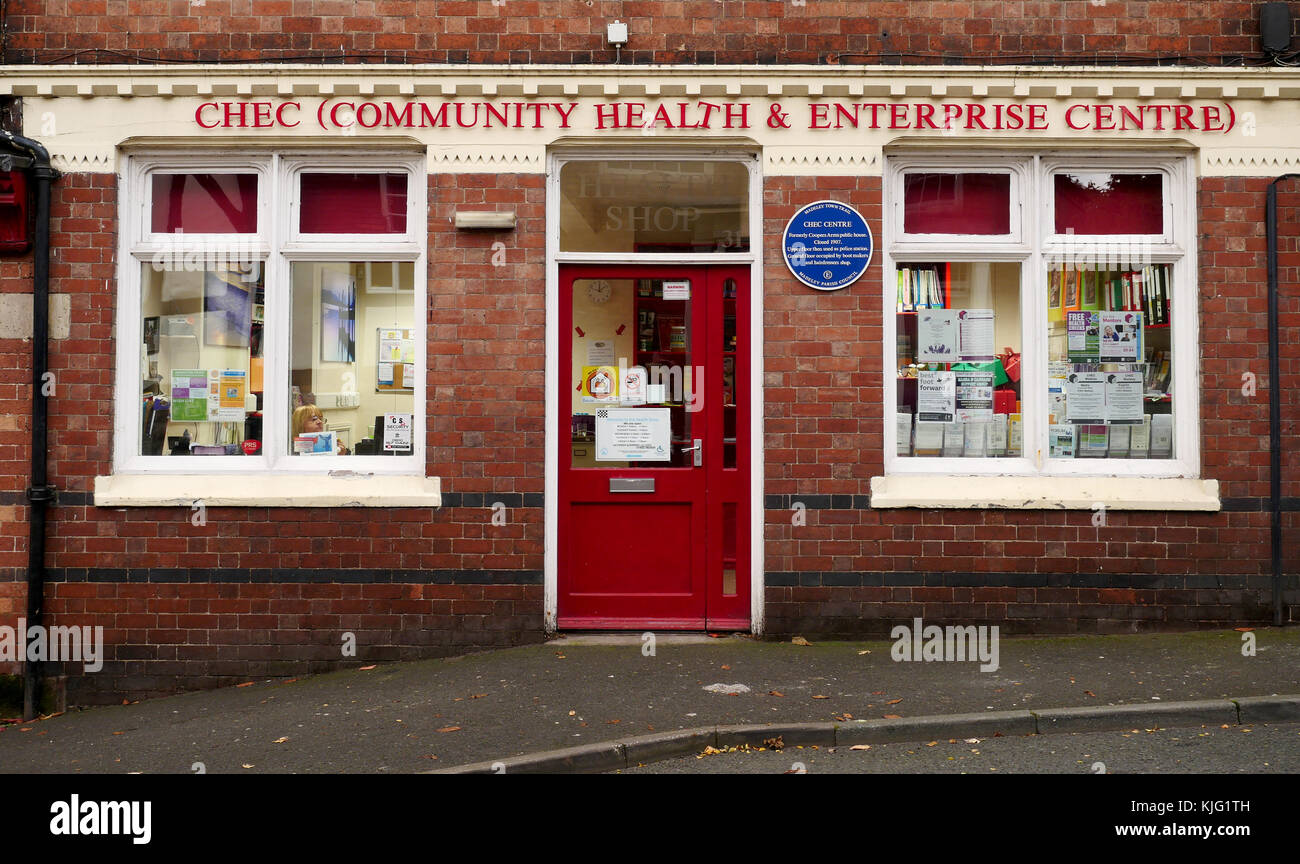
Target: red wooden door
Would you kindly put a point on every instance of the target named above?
(654, 461)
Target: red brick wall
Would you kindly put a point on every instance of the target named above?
(660, 31)
(1060, 572)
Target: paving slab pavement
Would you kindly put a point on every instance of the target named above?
(571, 692)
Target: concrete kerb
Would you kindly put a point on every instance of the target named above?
(630, 752)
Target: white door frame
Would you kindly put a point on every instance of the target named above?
(680, 151)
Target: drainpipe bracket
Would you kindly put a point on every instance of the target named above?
(44, 493)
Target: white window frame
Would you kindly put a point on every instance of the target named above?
(1035, 251)
(276, 245)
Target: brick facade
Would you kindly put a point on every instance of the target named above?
(660, 31)
(265, 592)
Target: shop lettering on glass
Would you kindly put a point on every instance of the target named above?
(614, 116)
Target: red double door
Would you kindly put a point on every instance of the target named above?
(654, 460)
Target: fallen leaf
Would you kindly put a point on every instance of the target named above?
(280, 740)
(247, 765)
(860, 653)
(458, 699)
(893, 701)
(971, 740)
(245, 684)
(799, 640)
(612, 722)
(127, 702)
(777, 743)
(115, 733)
(366, 668)
(775, 693)
(1089, 693)
(1244, 629)
(449, 729)
(877, 692)
(932, 744)
(821, 697)
(725, 666)
(860, 747)
(428, 756)
(478, 696)
(893, 717)
(573, 713)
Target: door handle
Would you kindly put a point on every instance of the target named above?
(698, 449)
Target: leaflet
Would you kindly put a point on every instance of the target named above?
(936, 396)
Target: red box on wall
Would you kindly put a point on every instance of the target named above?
(13, 211)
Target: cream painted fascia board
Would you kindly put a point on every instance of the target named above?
(1045, 493)
(379, 80)
(186, 490)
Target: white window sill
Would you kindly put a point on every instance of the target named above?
(1045, 493)
(268, 490)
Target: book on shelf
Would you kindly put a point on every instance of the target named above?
(920, 288)
(1093, 289)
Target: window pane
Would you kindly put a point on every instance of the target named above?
(647, 369)
(634, 206)
(1109, 204)
(957, 204)
(353, 362)
(958, 336)
(204, 204)
(1109, 362)
(353, 204)
(201, 361)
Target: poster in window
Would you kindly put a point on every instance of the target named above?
(1121, 336)
(338, 293)
(227, 309)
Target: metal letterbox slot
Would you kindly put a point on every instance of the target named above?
(632, 484)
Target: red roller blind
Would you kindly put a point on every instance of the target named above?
(353, 204)
(957, 204)
(204, 204)
(1109, 204)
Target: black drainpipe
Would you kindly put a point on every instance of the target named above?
(39, 492)
(1274, 401)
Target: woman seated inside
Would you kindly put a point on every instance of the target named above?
(309, 422)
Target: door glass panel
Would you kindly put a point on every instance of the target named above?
(730, 392)
(633, 390)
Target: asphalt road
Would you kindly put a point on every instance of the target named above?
(1258, 749)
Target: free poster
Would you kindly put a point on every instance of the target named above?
(975, 334)
(1121, 336)
(189, 395)
(936, 335)
(633, 434)
(1082, 329)
(1085, 400)
(1124, 397)
(936, 396)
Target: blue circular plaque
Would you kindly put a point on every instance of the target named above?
(827, 245)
